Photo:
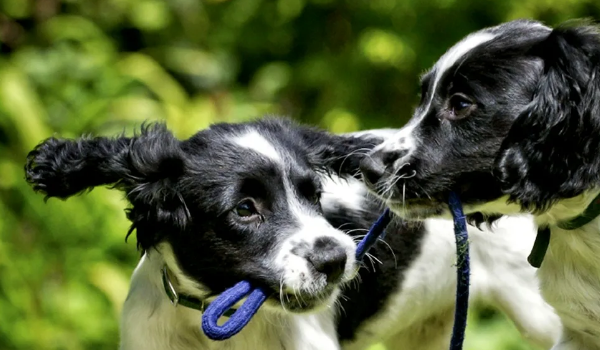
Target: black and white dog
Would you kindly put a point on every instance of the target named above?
(262, 201)
(510, 119)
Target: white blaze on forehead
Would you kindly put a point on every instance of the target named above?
(404, 139)
(258, 143)
(454, 55)
(311, 226)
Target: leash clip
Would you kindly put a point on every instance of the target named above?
(175, 300)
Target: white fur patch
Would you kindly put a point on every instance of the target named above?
(349, 192)
(298, 275)
(258, 143)
(453, 55)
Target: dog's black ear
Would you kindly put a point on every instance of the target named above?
(145, 166)
(64, 167)
(338, 154)
(552, 150)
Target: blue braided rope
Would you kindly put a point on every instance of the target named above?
(241, 317)
(462, 272)
(374, 233)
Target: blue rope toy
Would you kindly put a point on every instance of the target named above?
(256, 296)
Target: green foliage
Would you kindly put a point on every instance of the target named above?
(103, 66)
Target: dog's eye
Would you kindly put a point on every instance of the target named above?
(245, 208)
(459, 106)
(316, 197)
(309, 189)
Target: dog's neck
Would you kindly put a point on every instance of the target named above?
(569, 280)
(542, 241)
(565, 210)
(179, 299)
(150, 321)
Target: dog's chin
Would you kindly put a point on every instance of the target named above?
(414, 209)
(303, 302)
(418, 212)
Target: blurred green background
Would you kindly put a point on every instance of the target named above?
(70, 67)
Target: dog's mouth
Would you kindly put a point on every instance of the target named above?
(309, 275)
(409, 200)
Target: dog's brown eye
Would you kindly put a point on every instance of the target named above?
(245, 208)
(459, 106)
(316, 197)
(309, 189)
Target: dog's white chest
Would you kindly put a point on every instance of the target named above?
(570, 282)
(266, 331)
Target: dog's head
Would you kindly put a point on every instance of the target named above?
(509, 118)
(234, 202)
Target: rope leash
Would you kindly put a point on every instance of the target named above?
(462, 272)
(256, 296)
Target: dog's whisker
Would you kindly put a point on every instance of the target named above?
(375, 258)
(391, 250)
(357, 229)
(404, 196)
(351, 154)
(368, 255)
(282, 294)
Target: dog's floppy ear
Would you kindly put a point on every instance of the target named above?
(552, 150)
(145, 166)
(338, 154)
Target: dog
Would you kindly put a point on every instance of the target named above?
(509, 119)
(276, 203)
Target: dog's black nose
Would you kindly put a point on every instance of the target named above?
(329, 258)
(372, 167)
